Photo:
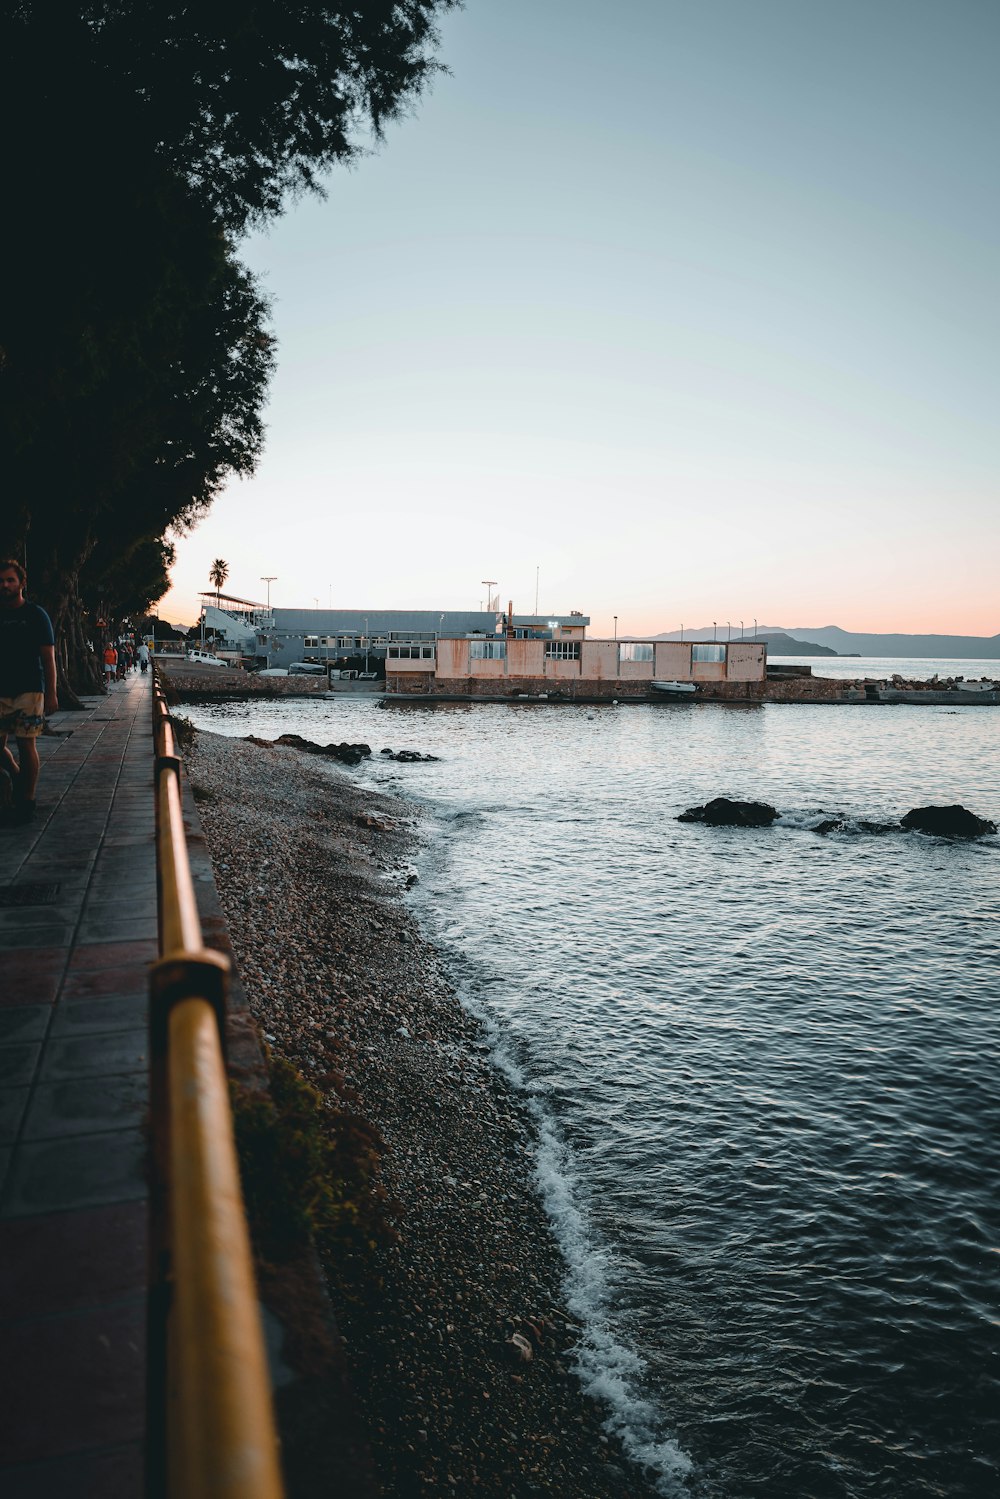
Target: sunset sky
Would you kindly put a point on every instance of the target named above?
(691, 306)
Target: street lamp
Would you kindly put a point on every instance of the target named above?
(715, 630)
(616, 627)
(269, 580)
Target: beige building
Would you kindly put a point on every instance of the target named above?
(500, 665)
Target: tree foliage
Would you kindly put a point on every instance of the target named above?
(141, 136)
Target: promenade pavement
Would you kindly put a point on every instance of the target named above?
(77, 931)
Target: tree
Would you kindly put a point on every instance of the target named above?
(134, 355)
(217, 574)
(250, 102)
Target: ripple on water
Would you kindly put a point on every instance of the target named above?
(763, 1065)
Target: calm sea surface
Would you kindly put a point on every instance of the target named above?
(764, 1064)
(913, 668)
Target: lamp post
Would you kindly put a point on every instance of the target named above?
(741, 629)
(273, 578)
(729, 629)
(616, 627)
(715, 630)
(367, 641)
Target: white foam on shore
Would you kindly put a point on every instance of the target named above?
(609, 1372)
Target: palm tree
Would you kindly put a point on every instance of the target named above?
(217, 574)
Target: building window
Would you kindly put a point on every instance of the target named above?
(310, 640)
(708, 653)
(487, 650)
(562, 650)
(411, 652)
(636, 650)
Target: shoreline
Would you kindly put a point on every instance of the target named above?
(457, 1333)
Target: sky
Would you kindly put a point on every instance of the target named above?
(686, 309)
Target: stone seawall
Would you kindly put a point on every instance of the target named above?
(793, 689)
(190, 680)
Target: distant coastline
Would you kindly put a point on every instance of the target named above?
(799, 640)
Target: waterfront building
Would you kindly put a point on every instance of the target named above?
(509, 663)
(284, 636)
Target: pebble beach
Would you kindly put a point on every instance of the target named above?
(459, 1343)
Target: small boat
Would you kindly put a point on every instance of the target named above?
(676, 689)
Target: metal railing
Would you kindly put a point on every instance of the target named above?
(211, 1423)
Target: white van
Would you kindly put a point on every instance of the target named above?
(204, 658)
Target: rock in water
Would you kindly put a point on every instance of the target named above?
(947, 822)
(721, 812)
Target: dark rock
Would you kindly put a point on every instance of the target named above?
(721, 812)
(347, 754)
(829, 825)
(409, 757)
(947, 822)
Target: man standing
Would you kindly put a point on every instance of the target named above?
(27, 686)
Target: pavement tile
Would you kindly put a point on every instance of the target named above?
(24, 1023)
(101, 928)
(115, 955)
(85, 1106)
(14, 919)
(56, 1262)
(12, 1105)
(120, 982)
(17, 1063)
(85, 1015)
(116, 1474)
(83, 1475)
(73, 1382)
(58, 934)
(104, 1053)
(21, 968)
(74, 1173)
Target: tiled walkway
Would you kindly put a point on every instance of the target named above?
(72, 1107)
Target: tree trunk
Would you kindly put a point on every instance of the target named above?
(78, 667)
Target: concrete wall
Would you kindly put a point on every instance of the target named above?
(746, 661)
(599, 660)
(526, 658)
(673, 661)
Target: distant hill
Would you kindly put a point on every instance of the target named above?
(777, 641)
(849, 642)
(854, 643)
(780, 644)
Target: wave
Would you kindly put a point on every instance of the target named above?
(610, 1372)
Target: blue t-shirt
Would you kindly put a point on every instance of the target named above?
(23, 632)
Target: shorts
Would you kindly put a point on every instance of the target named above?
(23, 716)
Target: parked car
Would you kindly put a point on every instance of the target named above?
(306, 669)
(204, 658)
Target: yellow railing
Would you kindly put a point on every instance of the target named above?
(211, 1424)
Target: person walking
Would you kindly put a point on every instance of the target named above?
(110, 663)
(27, 686)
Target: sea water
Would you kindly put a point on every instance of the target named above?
(763, 1063)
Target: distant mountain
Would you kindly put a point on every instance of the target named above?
(778, 642)
(849, 642)
(853, 643)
